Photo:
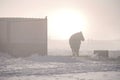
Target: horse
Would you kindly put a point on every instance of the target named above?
(75, 42)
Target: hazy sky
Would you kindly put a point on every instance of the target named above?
(103, 16)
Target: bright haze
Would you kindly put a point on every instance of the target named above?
(97, 19)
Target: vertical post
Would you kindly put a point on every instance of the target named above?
(46, 35)
(8, 36)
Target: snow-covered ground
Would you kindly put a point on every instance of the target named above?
(38, 67)
(76, 76)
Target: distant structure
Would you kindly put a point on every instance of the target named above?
(21, 37)
(114, 54)
(101, 54)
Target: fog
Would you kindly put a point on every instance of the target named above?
(102, 15)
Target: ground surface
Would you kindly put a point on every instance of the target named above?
(58, 68)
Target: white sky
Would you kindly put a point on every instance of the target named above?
(103, 16)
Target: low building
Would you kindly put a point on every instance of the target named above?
(23, 36)
(101, 54)
(114, 54)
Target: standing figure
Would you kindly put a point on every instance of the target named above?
(75, 42)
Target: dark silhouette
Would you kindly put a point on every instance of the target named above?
(75, 41)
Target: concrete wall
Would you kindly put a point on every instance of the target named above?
(23, 36)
